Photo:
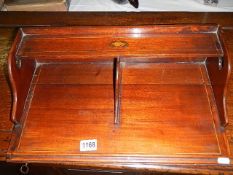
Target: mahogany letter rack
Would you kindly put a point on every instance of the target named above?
(147, 95)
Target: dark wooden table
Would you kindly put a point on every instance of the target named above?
(10, 21)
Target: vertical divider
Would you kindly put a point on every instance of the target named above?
(117, 90)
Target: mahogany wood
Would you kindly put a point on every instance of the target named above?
(172, 18)
(70, 87)
(117, 90)
(228, 41)
(94, 42)
(18, 19)
(100, 40)
(219, 76)
(20, 80)
(92, 105)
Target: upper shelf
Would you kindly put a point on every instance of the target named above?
(106, 42)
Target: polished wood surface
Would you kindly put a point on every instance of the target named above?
(142, 44)
(227, 36)
(23, 71)
(17, 19)
(94, 42)
(224, 19)
(91, 106)
(54, 109)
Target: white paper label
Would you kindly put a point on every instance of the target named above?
(224, 160)
(88, 145)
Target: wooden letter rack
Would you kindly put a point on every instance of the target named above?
(146, 94)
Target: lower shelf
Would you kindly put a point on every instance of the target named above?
(167, 111)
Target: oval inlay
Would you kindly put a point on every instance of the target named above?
(119, 44)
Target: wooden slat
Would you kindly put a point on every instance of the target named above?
(161, 73)
(77, 73)
(134, 73)
(189, 45)
(65, 96)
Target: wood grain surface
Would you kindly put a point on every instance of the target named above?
(191, 41)
(17, 19)
(227, 35)
(151, 108)
(6, 39)
(91, 106)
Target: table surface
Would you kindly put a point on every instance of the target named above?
(151, 5)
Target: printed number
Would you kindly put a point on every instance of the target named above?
(88, 145)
